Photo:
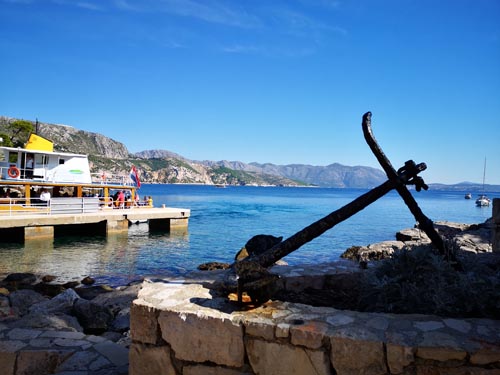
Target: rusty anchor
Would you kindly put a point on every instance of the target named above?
(251, 273)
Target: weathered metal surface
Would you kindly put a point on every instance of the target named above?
(251, 273)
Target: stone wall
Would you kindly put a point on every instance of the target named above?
(183, 327)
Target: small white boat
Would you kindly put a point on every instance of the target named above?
(468, 196)
(482, 201)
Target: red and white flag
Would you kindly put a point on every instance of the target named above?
(135, 177)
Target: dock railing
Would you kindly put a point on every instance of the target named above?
(63, 205)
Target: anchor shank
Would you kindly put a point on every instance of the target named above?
(271, 256)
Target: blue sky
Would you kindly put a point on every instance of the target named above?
(267, 81)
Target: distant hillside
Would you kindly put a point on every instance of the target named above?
(155, 166)
(162, 166)
(469, 187)
(333, 175)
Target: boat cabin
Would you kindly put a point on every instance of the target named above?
(38, 162)
(24, 164)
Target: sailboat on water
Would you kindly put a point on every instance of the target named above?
(483, 200)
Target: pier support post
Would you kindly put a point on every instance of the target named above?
(178, 224)
(167, 225)
(495, 230)
(116, 226)
(39, 233)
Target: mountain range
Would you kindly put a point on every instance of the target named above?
(163, 166)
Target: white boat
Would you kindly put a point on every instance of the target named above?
(27, 172)
(483, 200)
(468, 196)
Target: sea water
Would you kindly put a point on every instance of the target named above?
(222, 221)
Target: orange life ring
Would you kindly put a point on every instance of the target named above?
(13, 172)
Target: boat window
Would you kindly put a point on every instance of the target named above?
(41, 160)
(2, 157)
(12, 157)
(61, 161)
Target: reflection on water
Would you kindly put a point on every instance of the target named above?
(117, 259)
(221, 222)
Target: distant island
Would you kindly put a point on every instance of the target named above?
(162, 166)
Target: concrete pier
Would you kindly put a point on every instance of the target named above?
(34, 226)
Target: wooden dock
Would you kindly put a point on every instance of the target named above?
(46, 224)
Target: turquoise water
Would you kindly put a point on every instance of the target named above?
(221, 222)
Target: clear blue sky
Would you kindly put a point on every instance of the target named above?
(267, 81)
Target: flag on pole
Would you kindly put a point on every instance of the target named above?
(135, 177)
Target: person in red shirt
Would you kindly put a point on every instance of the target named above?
(121, 199)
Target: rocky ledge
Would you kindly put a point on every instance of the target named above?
(462, 238)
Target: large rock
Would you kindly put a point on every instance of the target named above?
(93, 291)
(62, 303)
(94, 318)
(118, 299)
(412, 234)
(19, 280)
(50, 290)
(257, 245)
(23, 299)
(57, 322)
(121, 323)
(376, 251)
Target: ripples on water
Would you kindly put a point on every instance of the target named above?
(221, 221)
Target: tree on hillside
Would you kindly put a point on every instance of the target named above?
(5, 140)
(18, 133)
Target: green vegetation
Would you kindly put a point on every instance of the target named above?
(5, 140)
(15, 133)
(227, 176)
(418, 280)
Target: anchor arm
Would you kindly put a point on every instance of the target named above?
(424, 222)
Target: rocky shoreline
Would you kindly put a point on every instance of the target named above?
(63, 327)
(463, 238)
